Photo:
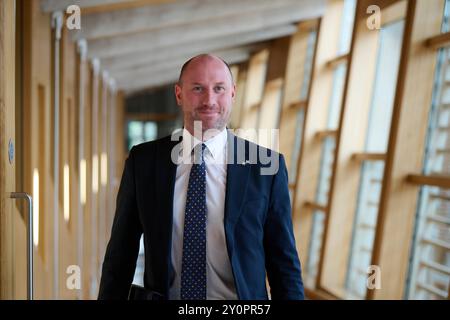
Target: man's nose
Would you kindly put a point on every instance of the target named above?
(209, 98)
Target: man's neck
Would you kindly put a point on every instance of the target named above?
(204, 135)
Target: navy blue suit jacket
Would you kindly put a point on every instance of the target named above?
(257, 222)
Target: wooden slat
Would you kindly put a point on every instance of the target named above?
(440, 197)
(315, 206)
(369, 156)
(437, 242)
(325, 134)
(436, 266)
(432, 289)
(298, 104)
(437, 181)
(366, 226)
(443, 151)
(333, 63)
(438, 41)
(437, 218)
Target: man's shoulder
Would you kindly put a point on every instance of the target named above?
(150, 147)
(252, 147)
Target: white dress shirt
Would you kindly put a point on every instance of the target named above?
(220, 281)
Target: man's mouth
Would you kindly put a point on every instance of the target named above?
(207, 111)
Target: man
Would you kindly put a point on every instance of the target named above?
(213, 222)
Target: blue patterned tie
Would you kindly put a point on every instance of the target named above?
(193, 268)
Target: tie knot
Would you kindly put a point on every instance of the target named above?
(199, 152)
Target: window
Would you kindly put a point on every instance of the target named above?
(379, 122)
(140, 131)
(300, 117)
(327, 138)
(429, 274)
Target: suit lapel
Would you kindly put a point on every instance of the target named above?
(237, 178)
(165, 178)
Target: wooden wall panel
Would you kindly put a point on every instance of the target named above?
(405, 150)
(69, 115)
(7, 169)
(351, 139)
(37, 140)
(315, 120)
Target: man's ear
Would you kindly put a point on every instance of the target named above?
(178, 93)
(233, 92)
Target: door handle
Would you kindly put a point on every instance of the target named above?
(23, 195)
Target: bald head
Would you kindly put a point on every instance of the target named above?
(205, 92)
(200, 59)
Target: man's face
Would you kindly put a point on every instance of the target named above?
(206, 93)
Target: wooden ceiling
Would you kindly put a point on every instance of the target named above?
(143, 43)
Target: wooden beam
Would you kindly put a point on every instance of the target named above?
(433, 180)
(438, 41)
(186, 12)
(159, 54)
(298, 104)
(315, 206)
(165, 77)
(321, 134)
(203, 30)
(96, 6)
(333, 63)
(364, 156)
(155, 67)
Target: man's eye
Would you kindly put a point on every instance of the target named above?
(197, 89)
(220, 88)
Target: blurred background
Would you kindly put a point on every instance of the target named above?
(358, 89)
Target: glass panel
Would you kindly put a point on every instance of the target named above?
(430, 268)
(384, 87)
(364, 228)
(446, 19)
(297, 145)
(329, 143)
(315, 244)
(437, 153)
(429, 272)
(150, 131)
(326, 169)
(323, 188)
(348, 18)
(336, 96)
(135, 133)
(312, 37)
(380, 116)
(308, 65)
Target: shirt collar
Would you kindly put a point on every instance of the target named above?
(215, 146)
